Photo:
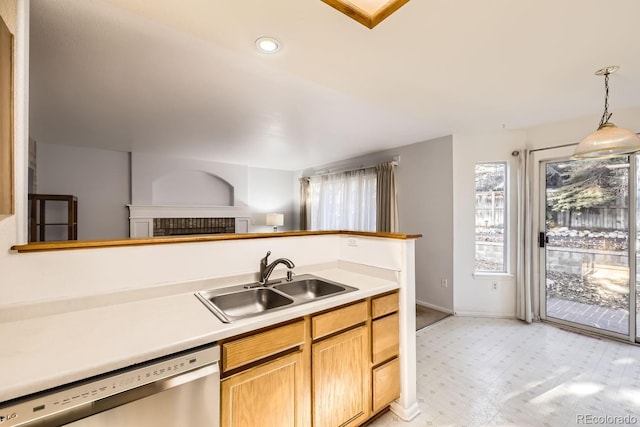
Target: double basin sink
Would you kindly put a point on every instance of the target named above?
(242, 301)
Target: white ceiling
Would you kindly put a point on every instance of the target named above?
(184, 78)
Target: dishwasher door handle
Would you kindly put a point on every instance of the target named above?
(187, 377)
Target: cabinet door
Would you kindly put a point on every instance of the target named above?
(268, 395)
(341, 385)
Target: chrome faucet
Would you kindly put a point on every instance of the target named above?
(267, 269)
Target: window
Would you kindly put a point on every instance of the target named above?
(490, 213)
(344, 201)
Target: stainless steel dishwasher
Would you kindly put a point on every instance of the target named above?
(178, 390)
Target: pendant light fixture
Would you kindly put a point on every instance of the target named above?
(609, 140)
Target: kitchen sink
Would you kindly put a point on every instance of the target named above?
(251, 301)
(243, 301)
(239, 304)
(310, 289)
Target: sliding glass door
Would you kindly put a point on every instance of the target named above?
(588, 211)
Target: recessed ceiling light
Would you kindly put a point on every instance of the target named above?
(267, 45)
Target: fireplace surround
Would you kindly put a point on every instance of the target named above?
(153, 220)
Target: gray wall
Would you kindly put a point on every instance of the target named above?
(270, 192)
(425, 206)
(99, 178)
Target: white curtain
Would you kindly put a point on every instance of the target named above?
(525, 232)
(344, 201)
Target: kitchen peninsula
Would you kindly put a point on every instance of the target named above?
(94, 307)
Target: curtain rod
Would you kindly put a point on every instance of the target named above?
(551, 148)
(352, 169)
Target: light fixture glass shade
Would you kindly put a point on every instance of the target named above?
(608, 141)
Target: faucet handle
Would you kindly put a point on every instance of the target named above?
(265, 260)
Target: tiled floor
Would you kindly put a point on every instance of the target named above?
(611, 319)
(498, 372)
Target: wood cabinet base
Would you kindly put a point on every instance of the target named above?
(267, 395)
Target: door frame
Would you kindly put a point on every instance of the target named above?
(540, 158)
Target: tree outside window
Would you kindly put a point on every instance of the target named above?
(490, 211)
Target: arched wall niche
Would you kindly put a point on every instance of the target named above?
(200, 196)
(191, 188)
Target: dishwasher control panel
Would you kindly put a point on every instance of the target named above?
(73, 396)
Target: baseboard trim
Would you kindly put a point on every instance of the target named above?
(405, 414)
(433, 306)
(484, 314)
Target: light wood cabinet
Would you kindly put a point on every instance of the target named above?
(251, 348)
(336, 368)
(386, 384)
(6, 120)
(385, 304)
(384, 338)
(341, 390)
(268, 395)
(262, 384)
(385, 344)
(337, 320)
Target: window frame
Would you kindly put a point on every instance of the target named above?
(505, 223)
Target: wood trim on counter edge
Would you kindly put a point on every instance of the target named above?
(92, 244)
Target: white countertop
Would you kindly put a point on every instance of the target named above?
(44, 352)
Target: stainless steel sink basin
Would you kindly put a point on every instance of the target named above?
(239, 302)
(250, 301)
(310, 289)
(245, 303)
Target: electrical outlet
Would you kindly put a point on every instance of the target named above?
(494, 286)
(352, 241)
(444, 282)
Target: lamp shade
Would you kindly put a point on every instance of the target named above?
(608, 141)
(275, 219)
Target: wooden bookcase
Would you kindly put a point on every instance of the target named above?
(38, 216)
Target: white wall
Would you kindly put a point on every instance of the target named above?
(147, 168)
(31, 277)
(425, 206)
(191, 188)
(270, 192)
(473, 294)
(100, 180)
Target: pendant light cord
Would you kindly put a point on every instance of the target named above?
(606, 115)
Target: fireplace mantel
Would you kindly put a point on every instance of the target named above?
(141, 216)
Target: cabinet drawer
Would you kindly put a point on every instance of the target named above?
(386, 384)
(336, 320)
(384, 338)
(245, 350)
(384, 305)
